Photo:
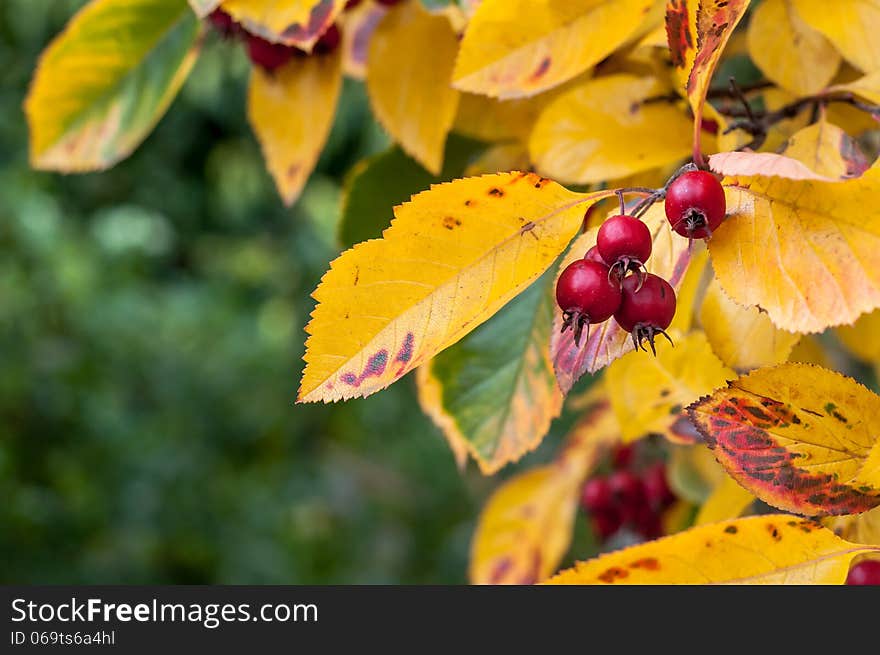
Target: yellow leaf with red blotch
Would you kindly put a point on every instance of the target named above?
(452, 257)
(526, 526)
(681, 36)
(648, 393)
(670, 258)
(728, 500)
(851, 25)
(297, 23)
(743, 337)
(799, 437)
(788, 51)
(859, 528)
(827, 150)
(604, 128)
(106, 80)
(517, 48)
(409, 69)
(769, 549)
(862, 338)
(804, 251)
(291, 111)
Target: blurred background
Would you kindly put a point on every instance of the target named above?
(151, 335)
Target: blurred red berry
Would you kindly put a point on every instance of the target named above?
(657, 489)
(266, 54)
(648, 523)
(623, 457)
(628, 494)
(606, 523)
(387, 3)
(328, 42)
(596, 495)
(866, 572)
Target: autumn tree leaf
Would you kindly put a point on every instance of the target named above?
(859, 528)
(769, 549)
(492, 120)
(728, 500)
(862, 338)
(516, 48)
(669, 259)
(297, 23)
(106, 80)
(851, 25)
(867, 87)
(291, 111)
(604, 129)
(453, 256)
(649, 393)
(827, 150)
(743, 337)
(799, 437)
(788, 51)
(766, 164)
(692, 471)
(494, 391)
(409, 70)
(802, 250)
(357, 26)
(526, 526)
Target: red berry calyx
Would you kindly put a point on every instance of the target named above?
(625, 244)
(586, 295)
(646, 310)
(695, 204)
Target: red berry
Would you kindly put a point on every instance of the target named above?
(624, 243)
(387, 3)
(695, 204)
(626, 489)
(648, 523)
(223, 22)
(866, 572)
(594, 256)
(656, 487)
(606, 523)
(596, 495)
(646, 311)
(266, 54)
(622, 457)
(328, 42)
(586, 295)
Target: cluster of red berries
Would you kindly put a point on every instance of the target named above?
(625, 499)
(866, 572)
(593, 289)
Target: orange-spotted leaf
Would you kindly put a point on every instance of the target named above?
(851, 25)
(827, 150)
(297, 23)
(607, 342)
(409, 70)
(452, 257)
(799, 437)
(770, 549)
(517, 48)
(291, 111)
(106, 80)
(648, 393)
(526, 526)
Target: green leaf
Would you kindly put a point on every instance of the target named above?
(379, 183)
(494, 393)
(103, 83)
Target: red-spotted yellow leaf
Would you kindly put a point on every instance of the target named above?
(516, 48)
(453, 256)
(648, 393)
(526, 526)
(297, 23)
(862, 338)
(728, 500)
(851, 25)
(409, 69)
(681, 35)
(494, 391)
(743, 337)
(603, 129)
(607, 342)
(788, 51)
(827, 150)
(799, 437)
(291, 111)
(103, 84)
(804, 251)
(770, 549)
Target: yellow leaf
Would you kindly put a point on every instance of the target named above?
(106, 80)
(799, 437)
(525, 528)
(604, 129)
(453, 256)
(810, 350)
(851, 25)
(409, 68)
(860, 528)
(291, 111)
(670, 258)
(516, 48)
(827, 150)
(770, 549)
(490, 119)
(743, 337)
(648, 393)
(727, 501)
(294, 22)
(691, 286)
(867, 87)
(804, 251)
(789, 52)
(500, 158)
(862, 338)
